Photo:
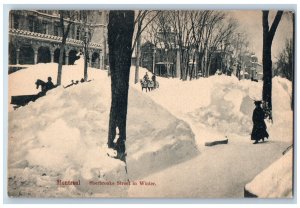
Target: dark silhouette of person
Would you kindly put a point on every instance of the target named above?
(259, 131)
(49, 84)
(146, 77)
(154, 80)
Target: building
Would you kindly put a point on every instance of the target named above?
(35, 37)
(253, 69)
(162, 58)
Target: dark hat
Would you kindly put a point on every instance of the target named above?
(257, 102)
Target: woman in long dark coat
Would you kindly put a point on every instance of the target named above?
(259, 130)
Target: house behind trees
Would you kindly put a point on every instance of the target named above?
(35, 36)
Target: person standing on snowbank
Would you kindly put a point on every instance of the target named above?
(259, 131)
(146, 77)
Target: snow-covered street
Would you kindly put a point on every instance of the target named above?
(217, 172)
(63, 136)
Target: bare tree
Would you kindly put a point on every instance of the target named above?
(88, 21)
(268, 35)
(66, 19)
(293, 68)
(141, 23)
(285, 61)
(198, 34)
(120, 33)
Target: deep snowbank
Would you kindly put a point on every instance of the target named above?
(41, 149)
(63, 136)
(276, 181)
(221, 105)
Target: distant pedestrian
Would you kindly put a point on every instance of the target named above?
(153, 78)
(146, 77)
(259, 131)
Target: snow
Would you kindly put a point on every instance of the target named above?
(276, 180)
(63, 135)
(221, 105)
(166, 132)
(220, 171)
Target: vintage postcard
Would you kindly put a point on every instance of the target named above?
(151, 103)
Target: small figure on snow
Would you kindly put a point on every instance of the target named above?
(146, 77)
(49, 85)
(259, 131)
(69, 85)
(154, 80)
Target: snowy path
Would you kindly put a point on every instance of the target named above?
(218, 172)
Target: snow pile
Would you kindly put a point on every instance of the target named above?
(221, 105)
(282, 127)
(156, 139)
(63, 135)
(275, 181)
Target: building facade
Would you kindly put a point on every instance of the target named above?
(35, 37)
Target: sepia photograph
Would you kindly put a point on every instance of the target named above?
(158, 103)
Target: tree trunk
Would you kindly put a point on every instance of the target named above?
(187, 66)
(208, 65)
(267, 73)
(60, 62)
(293, 63)
(86, 57)
(138, 55)
(120, 32)
(192, 75)
(181, 63)
(268, 36)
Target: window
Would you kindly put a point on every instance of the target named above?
(43, 27)
(78, 34)
(56, 27)
(33, 24)
(16, 23)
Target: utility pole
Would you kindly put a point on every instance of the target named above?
(153, 60)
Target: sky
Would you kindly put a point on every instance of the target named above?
(250, 22)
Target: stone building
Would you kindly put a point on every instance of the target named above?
(35, 37)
